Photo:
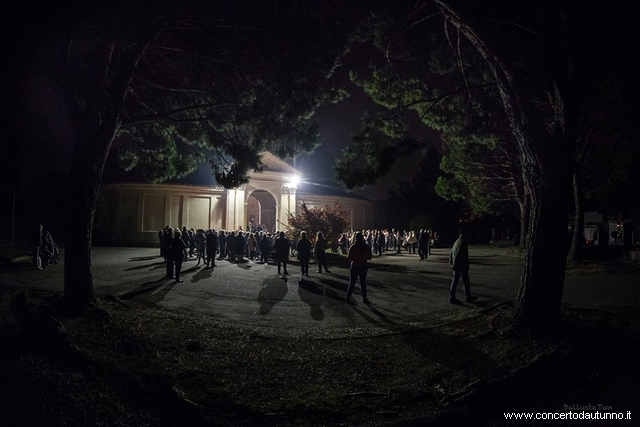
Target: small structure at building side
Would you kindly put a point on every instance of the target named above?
(612, 230)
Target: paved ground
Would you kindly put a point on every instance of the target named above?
(401, 287)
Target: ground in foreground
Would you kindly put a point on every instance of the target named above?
(130, 364)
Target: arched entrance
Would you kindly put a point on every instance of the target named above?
(261, 210)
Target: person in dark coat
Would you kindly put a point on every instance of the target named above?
(222, 242)
(380, 242)
(178, 248)
(303, 248)
(239, 246)
(212, 247)
(320, 250)
(160, 237)
(168, 253)
(200, 240)
(359, 255)
(459, 262)
(265, 248)
(231, 245)
(282, 247)
(423, 245)
(192, 244)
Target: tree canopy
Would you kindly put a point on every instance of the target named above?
(222, 85)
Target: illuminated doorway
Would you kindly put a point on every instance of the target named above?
(261, 211)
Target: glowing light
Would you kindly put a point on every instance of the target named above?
(293, 181)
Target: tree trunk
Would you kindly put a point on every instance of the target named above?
(577, 238)
(78, 281)
(542, 279)
(89, 157)
(524, 203)
(104, 91)
(525, 213)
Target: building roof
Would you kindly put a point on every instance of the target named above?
(325, 189)
(272, 163)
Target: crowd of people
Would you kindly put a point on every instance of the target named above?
(237, 245)
(362, 245)
(393, 241)
(207, 246)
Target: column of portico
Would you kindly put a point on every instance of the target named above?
(287, 204)
(236, 204)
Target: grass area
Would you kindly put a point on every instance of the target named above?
(131, 364)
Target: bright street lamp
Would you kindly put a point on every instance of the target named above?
(293, 181)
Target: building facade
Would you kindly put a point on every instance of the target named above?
(132, 214)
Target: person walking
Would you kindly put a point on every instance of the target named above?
(359, 255)
(178, 249)
(282, 248)
(459, 262)
(320, 250)
(303, 248)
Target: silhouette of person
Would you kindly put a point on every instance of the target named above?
(178, 247)
(303, 247)
(239, 245)
(212, 247)
(359, 255)
(265, 248)
(459, 262)
(50, 249)
(320, 251)
(282, 247)
(168, 253)
(38, 247)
